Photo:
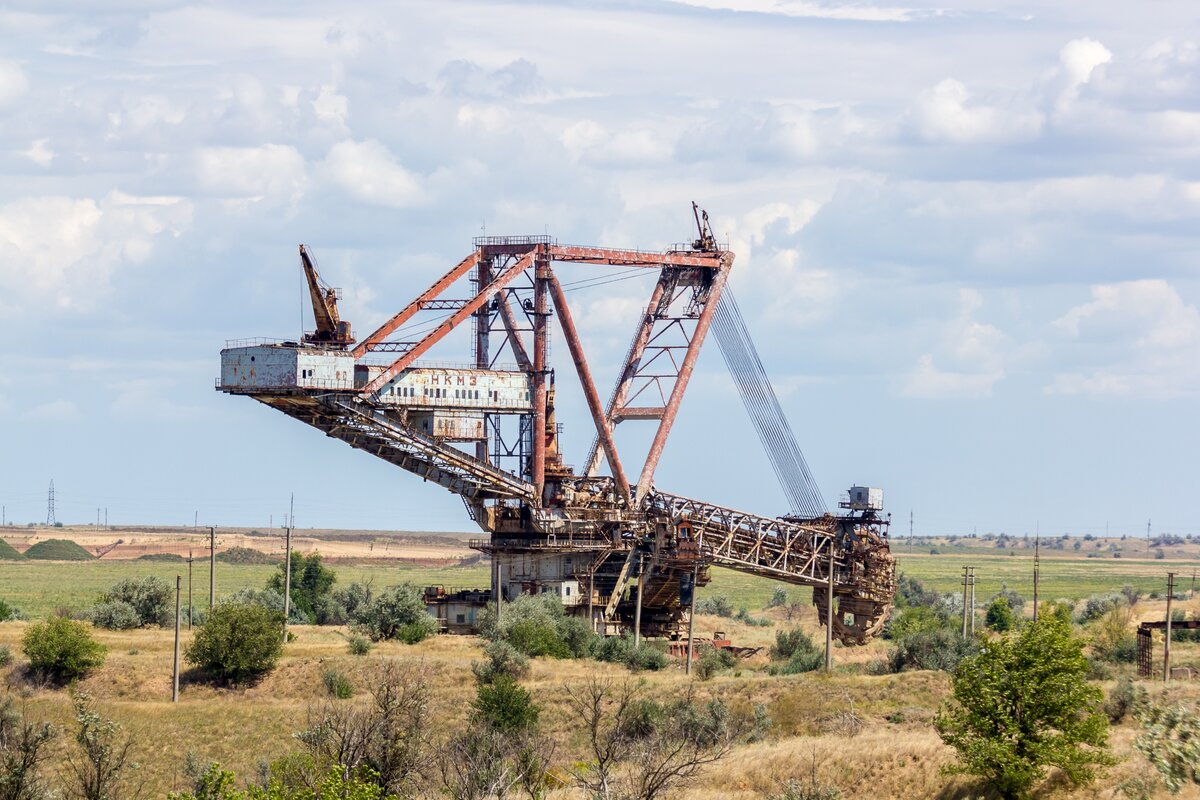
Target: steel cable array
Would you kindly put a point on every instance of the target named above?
(772, 426)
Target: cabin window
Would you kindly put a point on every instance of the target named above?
(460, 618)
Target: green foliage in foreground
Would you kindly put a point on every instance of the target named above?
(1024, 704)
(1170, 740)
(238, 641)
(217, 783)
(62, 648)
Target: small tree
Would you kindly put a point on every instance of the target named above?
(1024, 704)
(1000, 616)
(312, 586)
(238, 641)
(99, 767)
(152, 599)
(62, 649)
(503, 705)
(396, 613)
(23, 751)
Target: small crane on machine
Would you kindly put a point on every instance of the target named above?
(488, 432)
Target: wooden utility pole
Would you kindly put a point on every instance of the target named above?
(175, 661)
(687, 669)
(637, 614)
(1037, 568)
(829, 613)
(499, 593)
(190, 604)
(212, 566)
(287, 578)
(591, 597)
(1167, 644)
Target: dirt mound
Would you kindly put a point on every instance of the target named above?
(246, 555)
(58, 550)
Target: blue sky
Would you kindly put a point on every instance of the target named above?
(967, 238)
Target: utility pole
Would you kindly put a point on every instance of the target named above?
(829, 613)
(972, 601)
(591, 596)
(190, 604)
(287, 579)
(1192, 594)
(1167, 645)
(195, 519)
(637, 616)
(910, 530)
(212, 565)
(687, 668)
(292, 511)
(1037, 568)
(499, 591)
(175, 661)
(106, 517)
(1147, 530)
(964, 610)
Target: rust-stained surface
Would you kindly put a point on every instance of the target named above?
(488, 433)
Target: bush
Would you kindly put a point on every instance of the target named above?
(941, 649)
(8, 612)
(358, 645)
(712, 660)
(1097, 606)
(239, 641)
(718, 605)
(537, 625)
(1113, 638)
(502, 659)
(396, 613)
(1122, 699)
(646, 657)
(1000, 616)
(311, 589)
(911, 593)
(505, 706)
(1170, 740)
(62, 649)
(337, 684)
(756, 622)
(797, 652)
(115, 615)
(270, 600)
(807, 790)
(5, 655)
(536, 639)
(152, 598)
(779, 598)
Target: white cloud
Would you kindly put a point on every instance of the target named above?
(13, 83)
(860, 12)
(968, 361)
(1132, 338)
(274, 173)
(1079, 59)
(62, 251)
(590, 143)
(368, 172)
(54, 411)
(39, 152)
(946, 113)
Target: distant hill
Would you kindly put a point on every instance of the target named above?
(246, 555)
(58, 550)
(8, 552)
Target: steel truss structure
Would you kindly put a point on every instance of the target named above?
(600, 523)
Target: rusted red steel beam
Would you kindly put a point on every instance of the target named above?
(603, 429)
(432, 338)
(633, 258)
(514, 335)
(685, 375)
(443, 283)
(640, 339)
(538, 376)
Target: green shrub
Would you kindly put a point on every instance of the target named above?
(396, 613)
(239, 641)
(62, 648)
(115, 615)
(1000, 616)
(311, 587)
(914, 619)
(1098, 605)
(502, 659)
(8, 612)
(711, 660)
(717, 605)
(1170, 740)
(941, 649)
(337, 684)
(797, 653)
(646, 657)
(755, 622)
(153, 599)
(811, 789)
(1122, 699)
(536, 639)
(505, 706)
(358, 645)
(779, 598)
(6, 656)
(270, 600)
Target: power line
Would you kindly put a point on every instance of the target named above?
(50, 519)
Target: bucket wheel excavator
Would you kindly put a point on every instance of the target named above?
(487, 430)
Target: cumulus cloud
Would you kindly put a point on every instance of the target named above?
(1131, 338)
(368, 172)
(969, 360)
(61, 252)
(947, 113)
(270, 173)
(591, 143)
(39, 152)
(13, 83)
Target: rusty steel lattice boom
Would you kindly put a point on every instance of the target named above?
(490, 434)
